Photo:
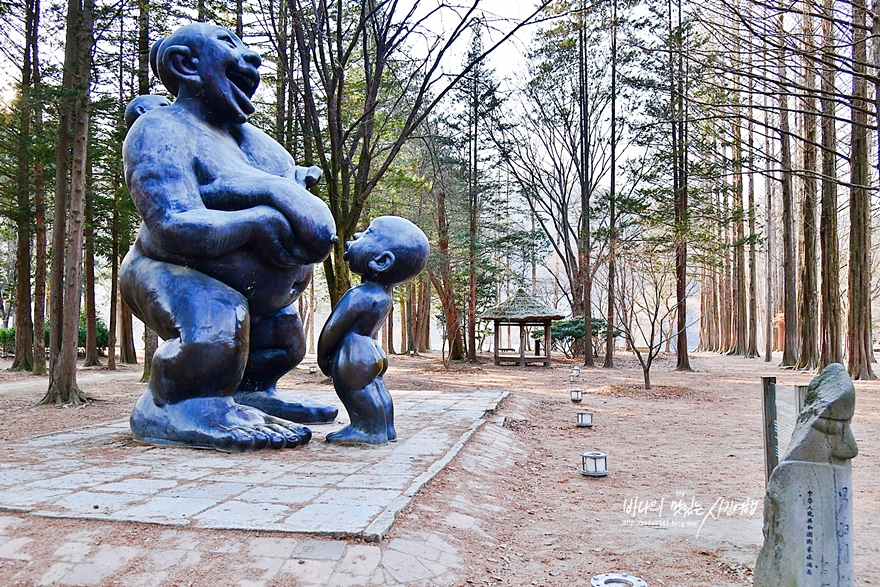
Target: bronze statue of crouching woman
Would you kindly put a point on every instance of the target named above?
(228, 237)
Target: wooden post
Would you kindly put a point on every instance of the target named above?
(497, 340)
(771, 459)
(547, 342)
(522, 344)
(801, 396)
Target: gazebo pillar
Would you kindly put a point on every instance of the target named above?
(522, 344)
(497, 340)
(547, 341)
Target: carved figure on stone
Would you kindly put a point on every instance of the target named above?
(391, 252)
(808, 514)
(228, 237)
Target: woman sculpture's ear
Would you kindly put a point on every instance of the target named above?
(182, 66)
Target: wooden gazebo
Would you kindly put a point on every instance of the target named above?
(522, 310)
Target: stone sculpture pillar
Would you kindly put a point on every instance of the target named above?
(808, 515)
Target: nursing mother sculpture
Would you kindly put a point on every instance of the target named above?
(228, 237)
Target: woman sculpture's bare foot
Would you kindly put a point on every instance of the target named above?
(287, 407)
(212, 422)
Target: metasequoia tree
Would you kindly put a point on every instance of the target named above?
(789, 253)
(789, 74)
(831, 349)
(738, 345)
(752, 348)
(477, 96)
(858, 336)
(808, 317)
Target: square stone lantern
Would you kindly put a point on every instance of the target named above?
(594, 464)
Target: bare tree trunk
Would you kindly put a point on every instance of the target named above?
(151, 339)
(118, 190)
(62, 170)
(282, 67)
(143, 47)
(752, 350)
(127, 353)
(411, 342)
(726, 283)
(789, 254)
(704, 310)
(114, 281)
(89, 267)
(875, 33)
(612, 197)
(151, 343)
(425, 309)
(859, 321)
(312, 316)
(809, 299)
(40, 268)
(24, 326)
(680, 173)
(404, 331)
(239, 26)
(739, 317)
(390, 347)
(584, 244)
(770, 227)
(63, 387)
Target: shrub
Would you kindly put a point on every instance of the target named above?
(567, 335)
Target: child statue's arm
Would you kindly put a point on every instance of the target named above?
(340, 323)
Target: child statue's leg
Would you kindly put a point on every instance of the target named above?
(387, 403)
(277, 345)
(367, 412)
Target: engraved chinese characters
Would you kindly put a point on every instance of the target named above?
(808, 512)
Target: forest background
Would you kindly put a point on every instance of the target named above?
(642, 152)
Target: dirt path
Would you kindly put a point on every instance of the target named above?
(514, 504)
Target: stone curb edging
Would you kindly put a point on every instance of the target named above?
(15, 510)
(100, 518)
(379, 527)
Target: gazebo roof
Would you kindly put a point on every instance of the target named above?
(521, 307)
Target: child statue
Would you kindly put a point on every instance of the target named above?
(392, 251)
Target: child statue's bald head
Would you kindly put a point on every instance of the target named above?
(391, 251)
